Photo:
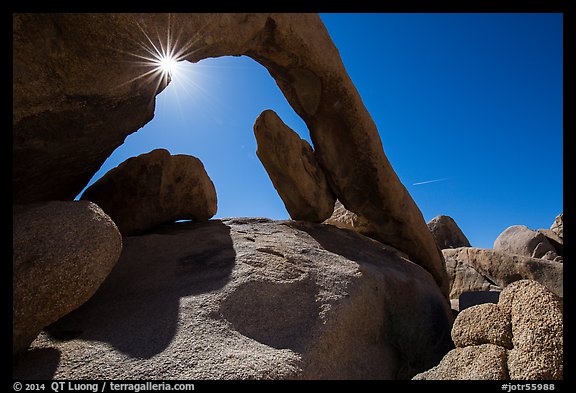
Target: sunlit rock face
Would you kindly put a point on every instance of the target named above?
(447, 233)
(292, 168)
(520, 338)
(80, 86)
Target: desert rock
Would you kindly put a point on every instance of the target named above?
(344, 218)
(68, 121)
(478, 362)
(290, 164)
(558, 225)
(446, 233)
(499, 269)
(482, 324)
(521, 240)
(250, 299)
(154, 188)
(464, 278)
(537, 331)
(61, 253)
(520, 338)
(556, 241)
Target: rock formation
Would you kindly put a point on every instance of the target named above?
(478, 362)
(154, 188)
(250, 299)
(482, 324)
(521, 338)
(464, 277)
(558, 226)
(61, 253)
(537, 331)
(557, 242)
(446, 233)
(521, 240)
(344, 218)
(79, 90)
(486, 269)
(290, 164)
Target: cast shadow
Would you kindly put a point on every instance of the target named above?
(136, 308)
(35, 364)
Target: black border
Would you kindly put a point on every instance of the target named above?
(566, 7)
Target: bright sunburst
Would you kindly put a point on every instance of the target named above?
(161, 57)
(168, 65)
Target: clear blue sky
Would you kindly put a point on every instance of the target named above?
(472, 99)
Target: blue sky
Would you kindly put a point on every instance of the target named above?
(472, 99)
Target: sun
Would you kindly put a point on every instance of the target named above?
(167, 64)
(162, 57)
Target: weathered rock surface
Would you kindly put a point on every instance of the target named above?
(152, 189)
(70, 112)
(464, 277)
(478, 362)
(345, 219)
(500, 269)
(527, 326)
(537, 331)
(61, 253)
(447, 233)
(556, 241)
(521, 240)
(558, 225)
(250, 298)
(482, 324)
(290, 164)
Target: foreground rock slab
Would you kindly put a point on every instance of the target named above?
(250, 299)
(154, 188)
(61, 253)
(290, 164)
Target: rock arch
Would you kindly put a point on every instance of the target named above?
(77, 95)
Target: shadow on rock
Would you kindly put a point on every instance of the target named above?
(136, 308)
(418, 322)
(36, 364)
(343, 242)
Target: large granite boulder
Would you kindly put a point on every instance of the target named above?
(496, 270)
(154, 188)
(482, 324)
(61, 253)
(250, 299)
(447, 233)
(80, 87)
(290, 164)
(520, 338)
(521, 240)
(537, 331)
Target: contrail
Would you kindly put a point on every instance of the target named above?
(430, 181)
